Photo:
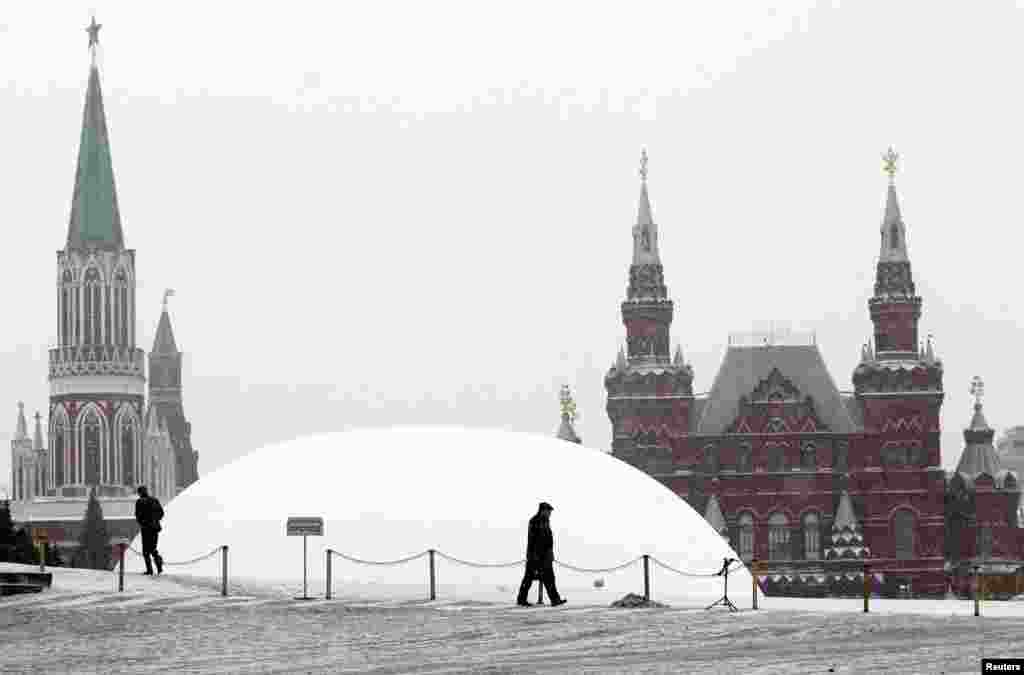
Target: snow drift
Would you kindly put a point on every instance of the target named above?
(387, 494)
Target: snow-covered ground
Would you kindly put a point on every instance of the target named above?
(182, 625)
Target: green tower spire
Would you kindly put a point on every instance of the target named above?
(95, 219)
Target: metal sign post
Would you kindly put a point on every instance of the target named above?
(41, 538)
(305, 527)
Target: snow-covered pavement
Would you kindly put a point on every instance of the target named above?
(178, 625)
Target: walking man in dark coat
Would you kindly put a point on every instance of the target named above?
(540, 557)
(148, 513)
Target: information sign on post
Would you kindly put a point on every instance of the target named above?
(304, 527)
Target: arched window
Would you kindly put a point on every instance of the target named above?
(743, 458)
(812, 537)
(57, 454)
(711, 458)
(808, 457)
(127, 451)
(840, 462)
(776, 458)
(903, 534)
(894, 236)
(121, 288)
(91, 436)
(778, 537)
(746, 527)
(985, 541)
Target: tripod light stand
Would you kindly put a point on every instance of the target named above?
(724, 600)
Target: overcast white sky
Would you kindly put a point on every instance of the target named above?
(383, 212)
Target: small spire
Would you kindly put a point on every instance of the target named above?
(678, 360)
(621, 362)
(978, 422)
(645, 232)
(871, 352)
(21, 430)
(163, 341)
(929, 353)
(38, 440)
(713, 514)
(845, 516)
(894, 233)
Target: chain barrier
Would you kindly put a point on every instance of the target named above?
(691, 574)
(378, 562)
(598, 571)
(471, 564)
(186, 562)
(467, 563)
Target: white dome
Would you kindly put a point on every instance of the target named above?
(389, 494)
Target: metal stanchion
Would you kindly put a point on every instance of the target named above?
(328, 593)
(867, 586)
(754, 570)
(977, 590)
(224, 571)
(433, 584)
(647, 577)
(120, 574)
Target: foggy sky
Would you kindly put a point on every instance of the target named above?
(390, 213)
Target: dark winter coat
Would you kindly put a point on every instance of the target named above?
(540, 543)
(148, 512)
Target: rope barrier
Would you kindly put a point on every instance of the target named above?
(471, 564)
(598, 571)
(691, 574)
(378, 562)
(467, 563)
(186, 562)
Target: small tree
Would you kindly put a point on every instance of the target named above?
(94, 544)
(6, 532)
(23, 550)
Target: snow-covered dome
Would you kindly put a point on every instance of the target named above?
(387, 494)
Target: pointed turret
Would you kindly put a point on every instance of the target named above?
(95, 218)
(678, 359)
(894, 232)
(645, 232)
(979, 455)
(847, 541)
(713, 514)
(37, 441)
(646, 280)
(21, 428)
(163, 341)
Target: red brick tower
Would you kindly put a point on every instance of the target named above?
(896, 467)
(649, 392)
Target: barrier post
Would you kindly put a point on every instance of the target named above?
(42, 557)
(977, 589)
(328, 594)
(120, 574)
(754, 570)
(867, 586)
(433, 585)
(224, 570)
(647, 577)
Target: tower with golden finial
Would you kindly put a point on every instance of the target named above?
(645, 385)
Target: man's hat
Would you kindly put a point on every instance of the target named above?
(545, 505)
